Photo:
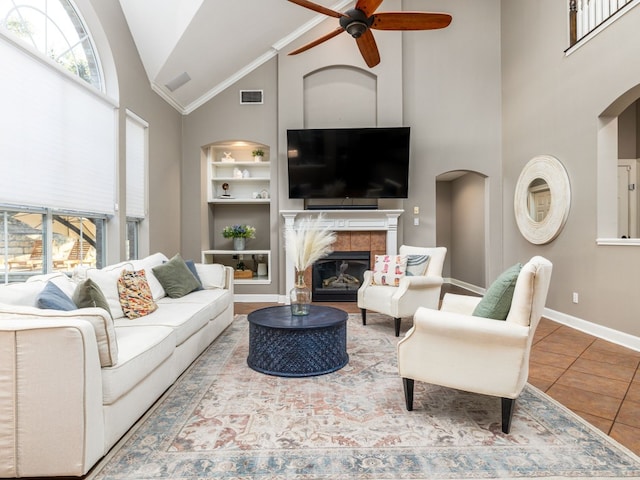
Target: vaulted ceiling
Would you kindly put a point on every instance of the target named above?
(193, 49)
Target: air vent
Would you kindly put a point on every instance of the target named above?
(251, 97)
(178, 81)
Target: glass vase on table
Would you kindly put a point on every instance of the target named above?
(300, 296)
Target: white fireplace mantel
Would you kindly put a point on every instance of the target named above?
(345, 220)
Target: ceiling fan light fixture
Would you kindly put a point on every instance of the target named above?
(356, 28)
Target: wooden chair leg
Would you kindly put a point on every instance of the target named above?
(508, 405)
(408, 392)
(397, 324)
(364, 315)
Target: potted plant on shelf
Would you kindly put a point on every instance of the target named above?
(239, 233)
(258, 153)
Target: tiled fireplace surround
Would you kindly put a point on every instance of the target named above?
(374, 231)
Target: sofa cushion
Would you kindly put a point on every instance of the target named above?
(135, 294)
(147, 265)
(176, 277)
(88, 294)
(67, 285)
(497, 299)
(216, 299)
(184, 318)
(20, 293)
(141, 351)
(52, 297)
(388, 270)
(212, 275)
(107, 279)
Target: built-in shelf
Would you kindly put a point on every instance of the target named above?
(231, 165)
(249, 257)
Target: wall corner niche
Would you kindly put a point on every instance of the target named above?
(542, 199)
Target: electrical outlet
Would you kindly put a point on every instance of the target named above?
(416, 210)
(575, 297)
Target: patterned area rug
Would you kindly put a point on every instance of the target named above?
(223, 420)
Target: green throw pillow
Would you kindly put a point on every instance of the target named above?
(175, 277)
(88, 295)
(496, 303)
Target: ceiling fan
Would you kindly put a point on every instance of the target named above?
(359, 21)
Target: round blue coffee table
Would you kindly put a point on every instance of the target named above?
(297, 346)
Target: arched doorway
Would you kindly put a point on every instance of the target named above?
(461, 226)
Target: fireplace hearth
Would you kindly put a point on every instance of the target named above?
(338, 276)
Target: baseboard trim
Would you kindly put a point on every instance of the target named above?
(605, 333)
(258, 298)
(466, 286)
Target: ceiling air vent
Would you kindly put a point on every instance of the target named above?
(251, 97)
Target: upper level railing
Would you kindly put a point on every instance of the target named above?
(586, 16)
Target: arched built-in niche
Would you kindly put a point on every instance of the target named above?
(340, 96)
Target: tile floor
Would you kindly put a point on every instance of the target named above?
(598, 380)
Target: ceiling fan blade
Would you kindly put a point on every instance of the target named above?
(410, 21)
(318, 41)
(368, 6)
(368, 48)
(318, 8)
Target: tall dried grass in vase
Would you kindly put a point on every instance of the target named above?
(310, 242)
(305, 245)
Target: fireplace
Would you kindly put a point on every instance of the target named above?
(337, 277)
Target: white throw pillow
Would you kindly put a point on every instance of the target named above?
(147, 265)
(21, 293)
(61, 281)
(107, 280)
(212, 275)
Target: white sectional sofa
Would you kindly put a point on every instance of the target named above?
(73, 382)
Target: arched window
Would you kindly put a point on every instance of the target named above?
(54, 28)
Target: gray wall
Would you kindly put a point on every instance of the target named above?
(164, 221)
(444, 84)
(551, 105)
(223, 118)
(451, 88)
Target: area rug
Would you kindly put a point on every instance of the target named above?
(223, 420)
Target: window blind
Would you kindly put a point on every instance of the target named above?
(136, 148)
(57, 140)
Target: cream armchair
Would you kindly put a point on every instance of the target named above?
(452, 348)
(412, 291)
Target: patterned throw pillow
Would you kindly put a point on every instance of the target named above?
(417, 265)
(135, 294)
(389, 269)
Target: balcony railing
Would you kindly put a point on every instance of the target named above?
(585, 16)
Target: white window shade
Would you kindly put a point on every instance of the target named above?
(57, 141)
(136, 148)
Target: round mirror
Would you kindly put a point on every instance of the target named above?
(538, 200)
(542, 199)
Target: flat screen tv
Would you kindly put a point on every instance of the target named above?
(348, 162)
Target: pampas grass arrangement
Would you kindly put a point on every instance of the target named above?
(310, 242)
